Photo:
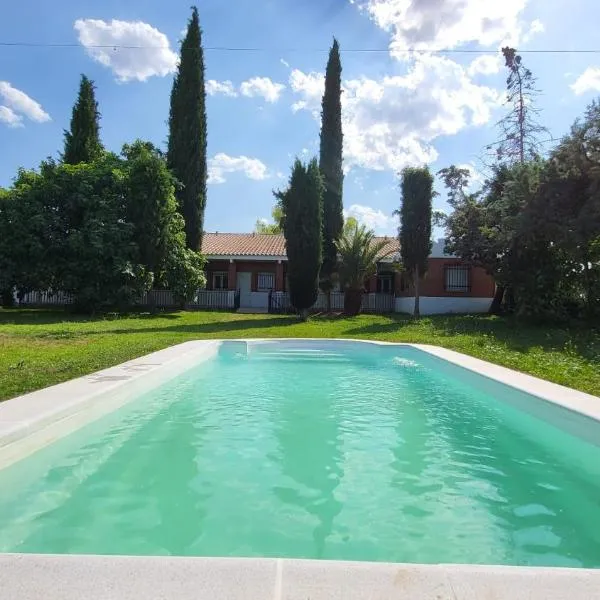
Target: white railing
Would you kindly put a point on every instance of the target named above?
(46, 298)
(337, 301)
(378, 303)
(158, 298)
(211, 299)
(371, 303)
(215, 299)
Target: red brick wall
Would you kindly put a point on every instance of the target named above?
(433, 284)
(244, 266)
(482, 285)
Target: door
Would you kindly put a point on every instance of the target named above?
(244, 287)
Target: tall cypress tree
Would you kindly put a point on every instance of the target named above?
(82, 141)
(186, 153)
(415, 224)
(330, 164)
(303, 231)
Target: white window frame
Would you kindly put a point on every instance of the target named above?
(263, 287)
(224, 279)
(457, 279)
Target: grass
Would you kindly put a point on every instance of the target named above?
(40, 348)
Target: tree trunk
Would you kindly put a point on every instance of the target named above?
(496, 305)
(7, 297)
(417, 312)
(510, 299)
(352, 302)
(304, 314)
(328, 294)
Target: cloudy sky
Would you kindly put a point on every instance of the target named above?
(400, 108)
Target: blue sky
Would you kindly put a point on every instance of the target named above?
(263, 105)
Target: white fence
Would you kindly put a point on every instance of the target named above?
(215, 299)
(46, 298)
(211, 299)
(371, 303)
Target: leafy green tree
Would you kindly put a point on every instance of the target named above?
(359, 253)
(349, 224)
(28, 236)
(302, 205)
(186, 153)
(330, 163)
(415, 224)
(276, 227)
(560, 229)
(184, 272)
(151, 203)
(98, 262)
(82, 141)
(467, 234)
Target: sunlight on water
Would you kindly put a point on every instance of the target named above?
(291, 450)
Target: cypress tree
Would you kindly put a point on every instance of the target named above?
(82, 142)
(303, 231)
(186, 153)
(330, 164)
(415, 224)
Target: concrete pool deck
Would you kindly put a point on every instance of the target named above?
(71, 577)
(33, 421)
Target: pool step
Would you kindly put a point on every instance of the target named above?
(299, 355)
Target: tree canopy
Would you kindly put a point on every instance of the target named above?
(415, 223)
(100, 231)
(186, 154)
(82, 141)
(303, 230)
(330, 164)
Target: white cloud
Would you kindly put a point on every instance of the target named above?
(149, 52)
(10, 117)
(438, 24)
(18, 104)
(285, 63)
(373, 218)
(588, 81)
(486, 64)
(262, 86)
(310, 86)
(476, 179)
(221, 164)
(536, 27)
(392, 122)
(220, 87)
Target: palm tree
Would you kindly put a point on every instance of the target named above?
(359, 253)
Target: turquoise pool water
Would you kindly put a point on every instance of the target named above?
(312, 450)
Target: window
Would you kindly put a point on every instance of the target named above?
(220, 281)
(384, 284)
(266, 282)
(457, 278)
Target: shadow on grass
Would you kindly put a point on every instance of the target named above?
(212, 327)
(41, 316)
(519, 336)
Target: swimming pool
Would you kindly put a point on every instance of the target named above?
(335, 450)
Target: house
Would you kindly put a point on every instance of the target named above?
(255, 266)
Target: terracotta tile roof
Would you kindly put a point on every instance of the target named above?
(261, 244)
(243, 244)
(391, 251)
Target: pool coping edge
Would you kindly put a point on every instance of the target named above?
(71, 577)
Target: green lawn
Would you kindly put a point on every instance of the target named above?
(40, 348)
